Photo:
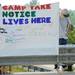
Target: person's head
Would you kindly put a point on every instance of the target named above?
(65, 13)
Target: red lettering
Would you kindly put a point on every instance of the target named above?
(32, 7)
(5, 7)
(23, 7)
(43, 7)
(14, 7)
(10, 7)
(17, 7)
(37, 8)
(48, 6)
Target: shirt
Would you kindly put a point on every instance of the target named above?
(63, 23)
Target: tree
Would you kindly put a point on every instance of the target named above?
(72, 16)
(34, 2)
(71, 35)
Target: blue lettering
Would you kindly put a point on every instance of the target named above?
(21, 21)
(10, 21)
(41, 20)
(33, 20)
(15, 21)
(26, 21)
(4, 21)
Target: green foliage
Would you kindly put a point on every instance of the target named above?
(18, 69)
(72, 16)
(34, 2)
(71, 36)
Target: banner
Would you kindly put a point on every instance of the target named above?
(29, 30)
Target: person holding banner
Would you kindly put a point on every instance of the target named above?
(64, 27)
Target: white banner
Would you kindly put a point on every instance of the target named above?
(26, 31)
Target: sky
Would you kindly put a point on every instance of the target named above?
(68, 4)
